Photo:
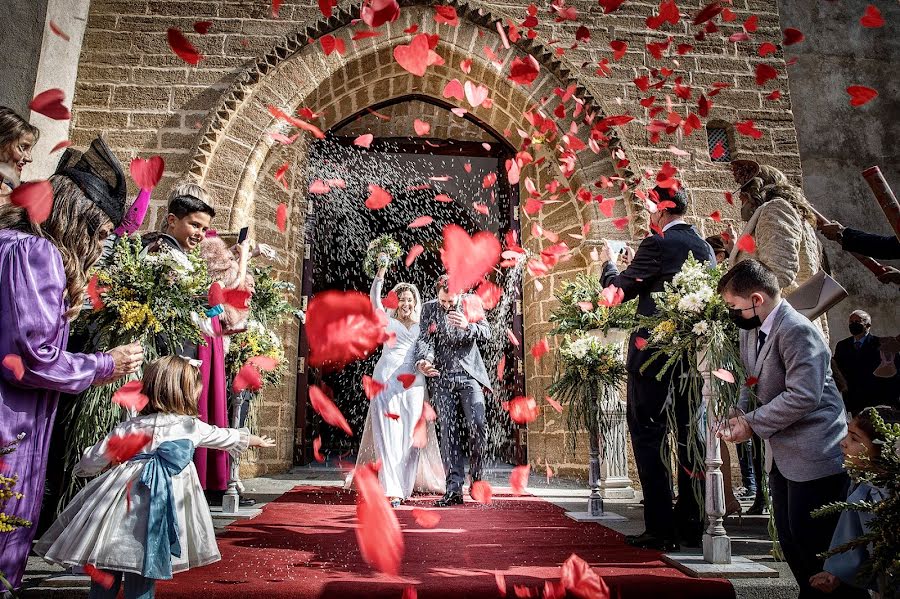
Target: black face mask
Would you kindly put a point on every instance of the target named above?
(857, 328)
(737, 317)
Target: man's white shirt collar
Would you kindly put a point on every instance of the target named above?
(672, 224)
(769, 322)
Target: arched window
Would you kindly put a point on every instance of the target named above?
(718, 142)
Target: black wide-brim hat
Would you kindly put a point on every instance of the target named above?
(99, 175)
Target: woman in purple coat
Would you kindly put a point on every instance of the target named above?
(43, 278)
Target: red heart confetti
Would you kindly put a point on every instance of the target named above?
(765, 73)
(522, 409)
(182, 47)
(725, 375)
(371, 387)
(147, 172)
(406, 380)
(281, 217)
(872, 18)
(518, 479)
(342, 326)
(746, 244)
(391, 301)
(481, 492)
(446, 15)
(121, 448)
(792, 36)
(14, 364)
(202, 27)
(378, 534)
(364, 141)
(327, 409)
(414, 252)
(581, 581)
(524, 70)
(378, 197)
(539, 349)
(426, 518)
(860, 94)
(94, 292)
(130, 396)
(104, 579)
(317, 446)
(50, 104)
(467, 259)
(414, 56)
(640, 343)
(376, 13)
(36, 197)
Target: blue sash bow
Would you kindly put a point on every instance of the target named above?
(167, 460)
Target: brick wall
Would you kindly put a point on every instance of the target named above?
(209, 121)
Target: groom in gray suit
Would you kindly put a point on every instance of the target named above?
(447, 353)
(797, 410)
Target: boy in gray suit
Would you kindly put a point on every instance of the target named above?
(797, 410)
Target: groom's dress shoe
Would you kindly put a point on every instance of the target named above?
(649, 541)
(449, 499)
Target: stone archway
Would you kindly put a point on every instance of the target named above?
(236, 158)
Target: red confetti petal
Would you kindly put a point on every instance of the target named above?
(378, 197)
(539, 349)
(376, 13)
(524, 70)
(364, 141)
(413, 253)
(426, 518)
(872, 18)
(130, 396)
(36, 197)
(63, 144)
(512, 337)
(522, 409)
(640, 343)
(58, 31)
(94, 291)
(326, 7)
(406, 380)
(747, 128)
(746, 244)
(342, 326)
(421, 127)
(317, 445)
(378, 534)
(327, 409)
(14, 364)
(473, 308)
(792, 36)
(751, 380)
(391, 301)
(122, 448)
(371, 387)
(281, 217)
(489, 293)
(446, 14)
(147, 172)
(202, 27)
(725, 375)
(767, 48)
(580, 580)
(716, 216)
(104, 579)
(765, 73)
(468, 259)
(554, 404)
(518, 479)
(182, 47)
(414, 56)
(860, 94)
(50, 104)
(481, 492)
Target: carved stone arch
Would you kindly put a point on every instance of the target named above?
(233, 154)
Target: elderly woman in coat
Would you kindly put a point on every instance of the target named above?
(782, 223)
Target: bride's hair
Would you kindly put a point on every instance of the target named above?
(417, 307)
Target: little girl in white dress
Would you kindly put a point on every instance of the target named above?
(145, 518)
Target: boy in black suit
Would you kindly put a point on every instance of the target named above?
(657, 260)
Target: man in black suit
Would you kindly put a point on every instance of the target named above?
(657, 260)
(857, 357)
(447, 353)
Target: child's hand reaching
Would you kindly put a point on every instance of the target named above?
(263, 441)
(825, 582)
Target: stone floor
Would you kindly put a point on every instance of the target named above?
(750, 537)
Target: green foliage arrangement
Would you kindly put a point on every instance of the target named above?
(584, 306)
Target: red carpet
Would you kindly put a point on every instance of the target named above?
(303, 546)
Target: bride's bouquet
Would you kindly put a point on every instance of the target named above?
(384, 245)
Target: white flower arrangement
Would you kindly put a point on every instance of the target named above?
(701, 328)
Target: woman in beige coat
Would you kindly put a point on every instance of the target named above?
(782, 223)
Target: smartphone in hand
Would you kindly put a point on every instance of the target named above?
(242, 235)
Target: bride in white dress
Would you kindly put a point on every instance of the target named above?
(394, 412)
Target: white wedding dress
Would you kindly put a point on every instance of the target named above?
(393, 414)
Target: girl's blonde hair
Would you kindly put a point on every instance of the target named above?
(172, 385)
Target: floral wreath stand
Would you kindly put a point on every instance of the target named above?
(716, 560)
(608, 457)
